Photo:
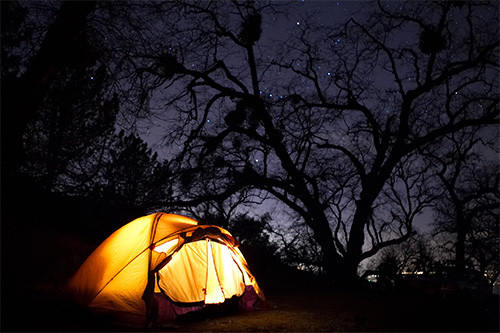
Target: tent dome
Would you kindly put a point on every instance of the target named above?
(164, 262)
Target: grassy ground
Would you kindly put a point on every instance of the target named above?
(335, 311)
(36, 265)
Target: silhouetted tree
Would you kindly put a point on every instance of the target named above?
(336, 124)
(26, 84)
(339, 140)
(60, 103)
(416, 254)
(75, 120)
(469, 209)
(131, 175)
(296, 244)
(221, 212)
(255, 242)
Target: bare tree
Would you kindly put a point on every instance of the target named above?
(340, 135)
(418, 254)
(336, 123)
(470, 207)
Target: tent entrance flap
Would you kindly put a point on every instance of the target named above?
(184, 278)
(202, 271)
(213, 291)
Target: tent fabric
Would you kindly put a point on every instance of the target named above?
(188, 263)
(168, 310)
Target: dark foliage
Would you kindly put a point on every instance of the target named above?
(168, 65)
(431, 41)
(251, 28)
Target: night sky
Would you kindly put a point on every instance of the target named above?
(330, 138)
(279, 36)
(277, 30)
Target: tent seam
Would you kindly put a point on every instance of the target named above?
(125, 266)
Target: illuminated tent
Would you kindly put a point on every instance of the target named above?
(162, 265)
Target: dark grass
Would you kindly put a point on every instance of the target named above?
(36, 265)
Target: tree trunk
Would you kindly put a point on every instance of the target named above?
(460, 243)
(371, 188)
(349, 277)
(323, 235)
(342, 270)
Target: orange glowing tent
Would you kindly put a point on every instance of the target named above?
(162, 265)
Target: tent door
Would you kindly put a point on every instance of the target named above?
(213, 290)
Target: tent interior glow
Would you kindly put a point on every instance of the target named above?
(190, 264)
